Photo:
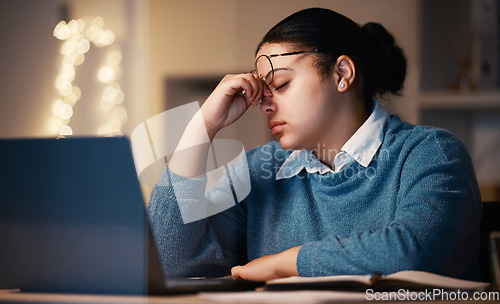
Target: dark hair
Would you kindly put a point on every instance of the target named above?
(377, 58)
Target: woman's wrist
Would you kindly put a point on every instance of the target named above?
(287, 267)
(210, 128)
(211, 132)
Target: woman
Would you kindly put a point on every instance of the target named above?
(347, 190)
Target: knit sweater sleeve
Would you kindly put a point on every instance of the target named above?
(209, 246)
(435, 224)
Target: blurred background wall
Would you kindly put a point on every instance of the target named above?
(174, 52)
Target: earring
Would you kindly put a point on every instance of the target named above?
(341, 85)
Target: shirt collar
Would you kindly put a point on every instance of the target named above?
(361, 147)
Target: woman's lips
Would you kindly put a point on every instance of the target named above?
(276, 126)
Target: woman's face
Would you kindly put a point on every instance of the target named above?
(302, 108)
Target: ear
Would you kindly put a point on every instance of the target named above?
(345, 73)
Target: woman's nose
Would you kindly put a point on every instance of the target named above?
(267, 91)
(267, 106)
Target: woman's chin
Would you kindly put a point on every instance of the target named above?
(286, 143)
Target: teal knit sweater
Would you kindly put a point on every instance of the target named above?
(415, 207)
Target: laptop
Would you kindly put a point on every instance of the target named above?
(73, 220)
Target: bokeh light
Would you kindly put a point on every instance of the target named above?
(77, 36)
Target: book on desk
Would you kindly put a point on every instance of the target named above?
(411, 280)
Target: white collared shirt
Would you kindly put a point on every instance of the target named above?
(361, 147)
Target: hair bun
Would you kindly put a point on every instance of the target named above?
(388, 62)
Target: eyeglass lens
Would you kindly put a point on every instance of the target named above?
(263, 65)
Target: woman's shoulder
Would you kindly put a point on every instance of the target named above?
(409, 136)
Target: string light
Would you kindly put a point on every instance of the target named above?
(77, 36)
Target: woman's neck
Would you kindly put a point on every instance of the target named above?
(343, 128)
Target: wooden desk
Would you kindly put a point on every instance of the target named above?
(42, 298)
(258, 297)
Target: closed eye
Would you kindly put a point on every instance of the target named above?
(281, 86)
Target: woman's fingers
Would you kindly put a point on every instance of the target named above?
(247, 83)
(249, 90)
(258, 88)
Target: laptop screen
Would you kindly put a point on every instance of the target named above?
(72, 217)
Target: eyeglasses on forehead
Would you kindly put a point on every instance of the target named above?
(268, 65)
